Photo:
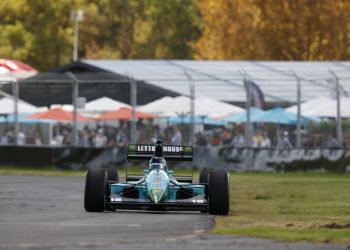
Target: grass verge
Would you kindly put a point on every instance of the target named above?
(290, 206)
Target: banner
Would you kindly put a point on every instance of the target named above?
(257, 96)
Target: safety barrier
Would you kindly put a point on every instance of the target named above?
(239, 159)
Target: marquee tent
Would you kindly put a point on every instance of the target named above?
(204, 106)
(104, 104)
(310, 107)
(330, 110)
(124, 114)
(158, 106)
(323, 107)
(16, 69)
(58, 115)
(242, 117)
(22, 119)
(197, 120)
(7, 106)
(278, 116)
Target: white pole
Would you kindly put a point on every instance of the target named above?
(339, 124)
(133, 101)
(248, 106)
(298, 142)
(76, 17)
(192, 106)
(75, 42)
(16, 96)
(75, 94)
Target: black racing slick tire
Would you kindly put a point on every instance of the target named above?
(113, 174)
(203, 176)
(95, 190)
(219, 192)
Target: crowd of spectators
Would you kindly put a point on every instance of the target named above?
(29, 138)
(104, 136)
(224, 137)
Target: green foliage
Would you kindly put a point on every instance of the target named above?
(40, 32)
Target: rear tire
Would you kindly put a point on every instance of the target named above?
(219, 192)
(95, 190)
(113, 174)
(203, 176)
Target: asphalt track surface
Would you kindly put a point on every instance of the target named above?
(38, 212)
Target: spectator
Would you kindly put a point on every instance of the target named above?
(30, 138)
(238, 140)
(157, 135)
(82, 139)
(284, 142)
(266, 143)
(225, 137)
(67, 137)
(21, 138)
(4, 139)
(10, 134)
(201, 140)
(176, 139)
(257, 139)
(331, 142)
(100, 139)
(122, 138)
(37, 139)
(59, 139)
(91, 137)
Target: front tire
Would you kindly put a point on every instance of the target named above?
(95, 190)
(219, 192)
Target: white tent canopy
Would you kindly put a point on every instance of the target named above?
(331, 109)
(157, 106)
(312, 106)
(323, 107)
(7, 106)
(204, 106)
(104, 104)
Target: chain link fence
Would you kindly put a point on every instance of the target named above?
(71, 91)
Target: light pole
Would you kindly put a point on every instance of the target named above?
(75, 94)
(76, 16)
(15, 94)
(298, 143)
(192, 105)
(338, 120)
(133, 102)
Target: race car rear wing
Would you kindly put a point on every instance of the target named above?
(172, 153)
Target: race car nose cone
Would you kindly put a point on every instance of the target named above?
(156, 195)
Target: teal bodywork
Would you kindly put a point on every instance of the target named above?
(157, 186)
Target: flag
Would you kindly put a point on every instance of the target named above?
(257, 96)
(332, 87)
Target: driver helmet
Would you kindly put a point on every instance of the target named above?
(157, 163)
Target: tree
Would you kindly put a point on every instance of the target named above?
(40, 32)
(274, 30)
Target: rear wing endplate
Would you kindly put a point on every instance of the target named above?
(172, 153)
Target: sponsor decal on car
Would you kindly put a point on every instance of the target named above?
(168, 149)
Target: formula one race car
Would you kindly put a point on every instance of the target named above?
(158, 189)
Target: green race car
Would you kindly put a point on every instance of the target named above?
(157, 189)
